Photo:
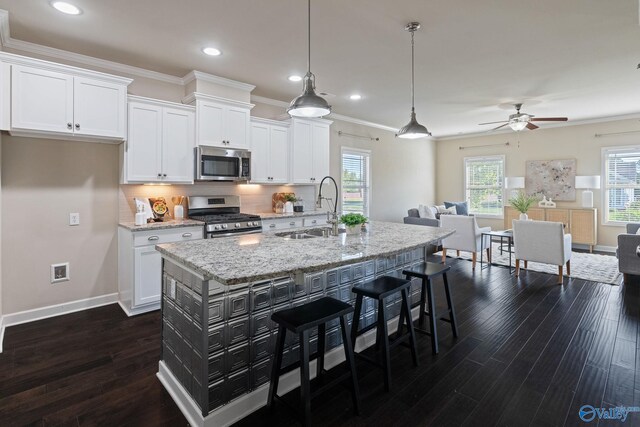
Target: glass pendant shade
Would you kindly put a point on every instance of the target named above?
(518, 125)
(413, 129)
(309, 104)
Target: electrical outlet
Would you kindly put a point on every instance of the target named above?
(60, 272)
(74, 218)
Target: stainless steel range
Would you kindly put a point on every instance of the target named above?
(222, 217)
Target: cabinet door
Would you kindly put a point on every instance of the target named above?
(260, 153)
(583, 226)
(236, 127)
(559, 215)
(143, 149)
(178, 141)
(99, 108)
(147, 286)
(320, 137)
(536, 214)
(279, 159)
(209, 121)
(302, 149)
(41, 100)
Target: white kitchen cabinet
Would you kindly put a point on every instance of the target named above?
(309, 141)
(57, 101)
(140, 265)
(5, 96)
(269, 152)
(315, 220)
(274, 224)
(161, 142)
(221, 122)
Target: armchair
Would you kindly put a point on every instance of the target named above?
(542, 241)
(628, 262)
(466, 238)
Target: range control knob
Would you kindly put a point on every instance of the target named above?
(217, 227)
(224, 226)
(237, 225)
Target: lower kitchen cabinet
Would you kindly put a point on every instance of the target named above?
(140, 265)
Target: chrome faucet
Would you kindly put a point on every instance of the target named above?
(332, 217)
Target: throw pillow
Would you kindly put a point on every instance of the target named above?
(425, 212)
(449, 211)
(461, 207)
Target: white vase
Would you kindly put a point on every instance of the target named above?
(354, 229)
(288, 207)
(524, 217)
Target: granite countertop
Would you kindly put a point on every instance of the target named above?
(273, 215)
(254, 257)
(174, 223)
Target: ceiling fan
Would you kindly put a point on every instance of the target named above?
(519, 121)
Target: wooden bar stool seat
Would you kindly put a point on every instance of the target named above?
(380, 289)
(300, 320)
(426, 272)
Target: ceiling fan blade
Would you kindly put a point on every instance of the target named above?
(531, 126)
(550, 119)
(501, 126)
(493, 123)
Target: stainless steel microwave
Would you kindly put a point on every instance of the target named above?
(222, 164)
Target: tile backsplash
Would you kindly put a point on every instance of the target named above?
(253, 197)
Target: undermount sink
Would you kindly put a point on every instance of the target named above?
(306, 234)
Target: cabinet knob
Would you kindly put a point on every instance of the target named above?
(186, 234)
(153, 238)
(77, 125)
(69, 126)
(292, 223)
(272, 226)
(159, 175)
(164, 175)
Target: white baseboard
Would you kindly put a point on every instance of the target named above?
(243, 406)
(53, 310)
(135, 311)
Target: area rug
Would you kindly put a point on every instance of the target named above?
(587, 266)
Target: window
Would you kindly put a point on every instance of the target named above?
(484, 178)
(355, 181)
(622, 184)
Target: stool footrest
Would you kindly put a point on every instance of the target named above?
(296, 365)
(399, 340)
(368, 359)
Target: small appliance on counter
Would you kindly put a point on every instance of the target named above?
(222, 216)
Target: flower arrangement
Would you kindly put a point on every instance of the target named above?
(522, 201)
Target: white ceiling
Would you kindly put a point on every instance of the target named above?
(574, 58)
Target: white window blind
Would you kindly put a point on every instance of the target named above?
(484, 178)
(355, 182)
(622, 184)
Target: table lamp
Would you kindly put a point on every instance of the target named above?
(588, 183)
(514, 183)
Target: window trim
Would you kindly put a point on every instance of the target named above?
(604, 202)
(357, 151)
(464, 182)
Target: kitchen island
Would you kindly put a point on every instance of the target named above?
(219, 294)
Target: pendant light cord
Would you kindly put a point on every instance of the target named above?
(412, 72)
(309, 37)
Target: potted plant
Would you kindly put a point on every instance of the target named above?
(353, 222)
(289, 198)
(522, 202)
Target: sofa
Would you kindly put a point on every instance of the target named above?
(413, 217)
(628, 261)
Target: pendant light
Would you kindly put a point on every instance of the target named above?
(309, 104)
(413, 129)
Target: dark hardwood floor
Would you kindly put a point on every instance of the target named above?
(530, 352)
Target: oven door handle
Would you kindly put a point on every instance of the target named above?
(239, 233)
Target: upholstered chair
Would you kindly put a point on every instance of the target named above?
(628, 262)
(544, 242)
(466, 238)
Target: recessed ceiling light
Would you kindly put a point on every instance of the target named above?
(295, 78)
(64, 7)
(212, 51)
(355, 97)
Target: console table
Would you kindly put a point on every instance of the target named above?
(582, 223)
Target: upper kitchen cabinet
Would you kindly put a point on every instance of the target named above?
(309, 150)
(161, 141)
(57, 101)
(269, 151)
(221, 122)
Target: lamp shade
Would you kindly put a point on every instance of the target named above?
(513, 182)
(589, 182)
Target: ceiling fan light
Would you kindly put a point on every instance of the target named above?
(413, 129)
(309, 104)
(518, 125)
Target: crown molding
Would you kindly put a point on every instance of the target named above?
(269, 101)
(5, 35)
(197, 96)
(199, 75)
(264, 121)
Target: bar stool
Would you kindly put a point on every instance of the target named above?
(300, 320)
(427, 271)
(380, 289)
